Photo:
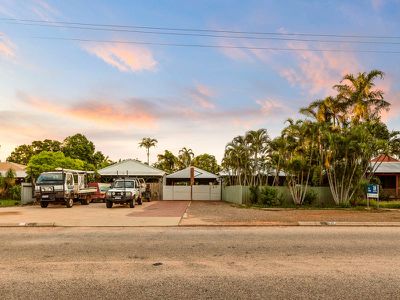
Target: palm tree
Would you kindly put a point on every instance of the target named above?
(148, 143)
(364, 102)
(167, 162)
(185, 157)
(258, 143)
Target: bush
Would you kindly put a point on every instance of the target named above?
(269, 196)
(15, 192)
(310, 197)
(254, 194)
(382, 204)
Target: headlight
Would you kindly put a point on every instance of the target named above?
(128, 194)
(108, 194)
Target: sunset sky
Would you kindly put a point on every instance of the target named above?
(54, 84)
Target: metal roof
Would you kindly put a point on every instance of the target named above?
(20, 170)
(131, 167)
(198, 173)
(388, 167)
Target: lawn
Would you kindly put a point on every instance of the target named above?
(8, 202)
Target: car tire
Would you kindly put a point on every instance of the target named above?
(132, 203)
(44, 204)
(69, 203)
(139, 201)
(109, 204)
(85, 202)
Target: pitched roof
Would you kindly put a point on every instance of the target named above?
(384, 158)
(132, 168)
(198, 173)
(19, 169)
(388, 167)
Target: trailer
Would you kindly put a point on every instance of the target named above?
(63, 186)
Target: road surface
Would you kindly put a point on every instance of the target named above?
(200, 263)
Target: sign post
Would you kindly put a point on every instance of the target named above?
(372, 192)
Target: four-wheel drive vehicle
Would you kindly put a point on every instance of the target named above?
(101, 190)
(63, 187)
(124, 191)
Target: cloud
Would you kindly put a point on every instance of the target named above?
(44, 10)
(7, 48)
(132, 111)
(126, 58)
(272, 107)
(201, 95)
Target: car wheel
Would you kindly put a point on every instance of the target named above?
(140, 202)
(132, 203)
(109, 204)
(44, 204)
(85, 202)
(69, 203)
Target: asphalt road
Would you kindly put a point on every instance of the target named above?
(200, 263)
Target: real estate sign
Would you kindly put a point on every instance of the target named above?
(373, 191)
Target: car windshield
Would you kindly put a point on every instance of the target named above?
(104, 187)
(50, 178)
(121, 184)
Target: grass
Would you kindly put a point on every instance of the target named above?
(382, 204)
(8, 202)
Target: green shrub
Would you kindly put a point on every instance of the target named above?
(310, 197)
(254, 194)
(269, 196)
(382, 204)
(15, 192)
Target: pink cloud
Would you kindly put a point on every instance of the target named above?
(272, 108)
(7, 48)
(202, 94)
(44, 10)
(317, 72)
(126, 58)
(133, 112)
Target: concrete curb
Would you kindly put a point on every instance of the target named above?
(23, 224)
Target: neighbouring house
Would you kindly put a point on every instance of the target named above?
(20, 170)
(192, 183)
(133, 168)
(387, 169)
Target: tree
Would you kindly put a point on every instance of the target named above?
(167, 162)
(185, 157)
(49, 161)
(364, 102)
(147, 143)
(206, 162)
(258, 142)
(21, 155)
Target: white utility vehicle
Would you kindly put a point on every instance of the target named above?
(63, 186)
(124, 191)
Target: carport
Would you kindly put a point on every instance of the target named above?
(192, 184)
(133, 168)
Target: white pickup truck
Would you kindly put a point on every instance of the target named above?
(63, 187)
(124, 191)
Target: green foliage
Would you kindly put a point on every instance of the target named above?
(167, 162)
(310, 198)
(265, 196)
(382, 204)
(76, 146)
(147, 143)
(206, 162)
(8, 202)
(49, 161)
(15, 192)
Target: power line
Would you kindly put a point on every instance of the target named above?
(214, 46)
(208, 35)
(201, 30)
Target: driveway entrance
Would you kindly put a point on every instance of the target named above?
(155, 213)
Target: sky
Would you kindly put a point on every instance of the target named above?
(56, 80)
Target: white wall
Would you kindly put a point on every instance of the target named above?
(200, 192)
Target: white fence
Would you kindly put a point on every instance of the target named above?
(197, 192)
(26, 193)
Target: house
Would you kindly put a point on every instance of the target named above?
(387, 169)
(133, 168)
(192, 183)
(20, 170)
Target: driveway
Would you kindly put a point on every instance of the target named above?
(155, 213)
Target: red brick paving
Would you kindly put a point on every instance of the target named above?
(162, 209)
